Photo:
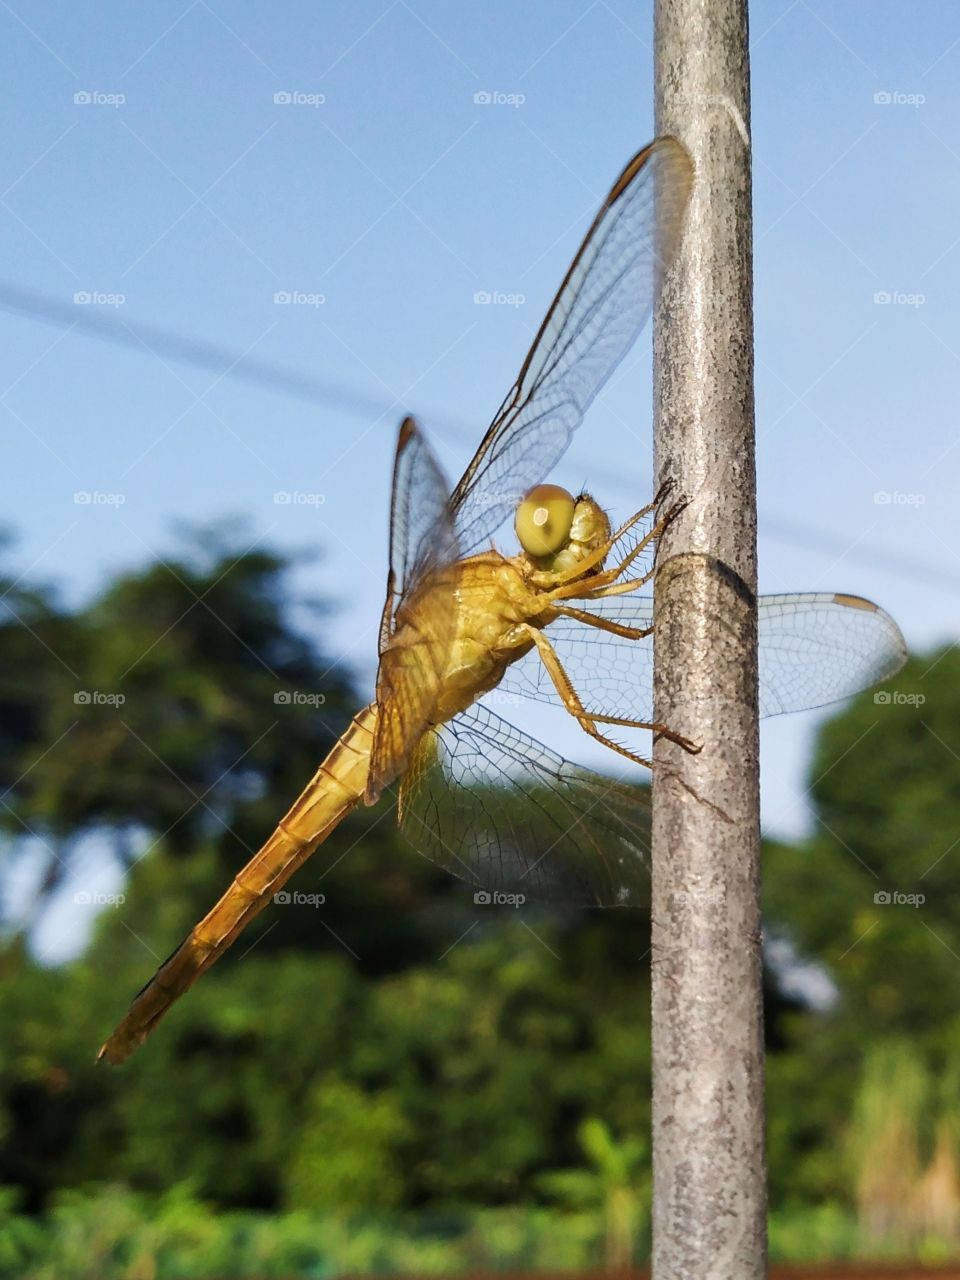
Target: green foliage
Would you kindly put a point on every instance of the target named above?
(886, 785)
(155, 706)
(871, 898)
(892, 1111)
(110, 1232)
(824, 1233)
(348, 1153)
(391, 1081)
(617, 1184)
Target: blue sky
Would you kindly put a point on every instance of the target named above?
(178, 184)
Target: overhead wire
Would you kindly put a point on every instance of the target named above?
(32, 305)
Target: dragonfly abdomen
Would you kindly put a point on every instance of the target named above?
(332, 792)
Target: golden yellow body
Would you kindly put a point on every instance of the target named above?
(453, 640)
(462, 618)
(458, 615)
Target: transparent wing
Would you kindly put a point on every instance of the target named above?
(421, 528)
(504, 813)
(820, 647)
(420, 585)
(815, 648)
(612, 675)
(601, 307)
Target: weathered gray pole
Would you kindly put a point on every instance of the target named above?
(709, 1217)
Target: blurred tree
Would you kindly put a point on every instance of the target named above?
(618, 1183)
(347, 1153)
(870, 898)
(889, 1138)
(872, 895)
(152, 722)
(191, 696)
(36, 653)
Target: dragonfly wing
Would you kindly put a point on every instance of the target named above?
(594, 320)
(503, 812)
(421, 528)
(612, 675)
(815, 648)
(819, 647)
(423, 550)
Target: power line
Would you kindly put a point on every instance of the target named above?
(887, 561)
(201, 355)
(32, 305)
(810, 538)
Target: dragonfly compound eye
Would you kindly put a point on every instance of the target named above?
(544, 518)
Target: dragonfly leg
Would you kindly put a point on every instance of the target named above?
(589, 720)
(581, 586)
(602, 583)
(605, 624)
(629, 633)
(597, 557)
(621, 588)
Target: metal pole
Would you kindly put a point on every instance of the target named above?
(709, 1216)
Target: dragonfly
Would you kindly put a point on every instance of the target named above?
(465, 627)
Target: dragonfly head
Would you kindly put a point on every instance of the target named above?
(557, 531)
